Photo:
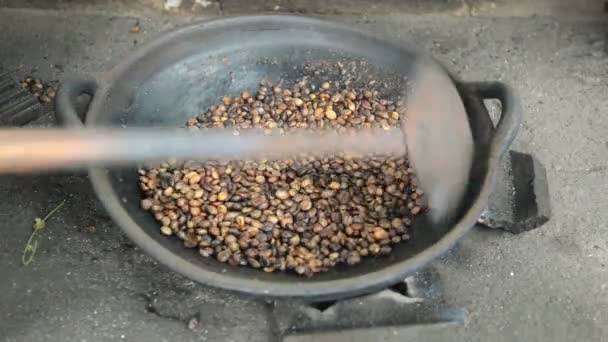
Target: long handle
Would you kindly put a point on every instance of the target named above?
(25, 150)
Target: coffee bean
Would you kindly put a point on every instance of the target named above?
(303, 214)
(168, 192)
(330, 114)
(166, 230)
(353, 258)
(327, 193)
(282, 194)
(194, 179)
(206, 251)
(147, 203)
(254, 263)
(222, 196)
(380, 234)
(374, 248)
(306, 205)
(198, 194)
(301, 269)
(223, 256)
(334, 185)
(397, 223)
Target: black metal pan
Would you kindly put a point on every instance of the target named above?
(185, 71)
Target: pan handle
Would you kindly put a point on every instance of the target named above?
(65, 111)
(510, 117)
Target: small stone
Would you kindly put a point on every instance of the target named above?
(166, 230)
(135, 28)
(192, 323)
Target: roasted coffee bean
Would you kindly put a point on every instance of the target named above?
(304, 214)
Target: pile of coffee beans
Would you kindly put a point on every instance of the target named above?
(305, 214)
(43, 92)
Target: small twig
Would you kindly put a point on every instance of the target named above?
(54, 210)
(31, 245)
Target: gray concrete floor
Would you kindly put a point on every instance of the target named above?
(88, 282)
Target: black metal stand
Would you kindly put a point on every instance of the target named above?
(418, 300)
(519, 202)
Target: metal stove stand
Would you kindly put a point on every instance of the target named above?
(416, 307)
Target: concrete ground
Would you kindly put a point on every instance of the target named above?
(88, 282)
